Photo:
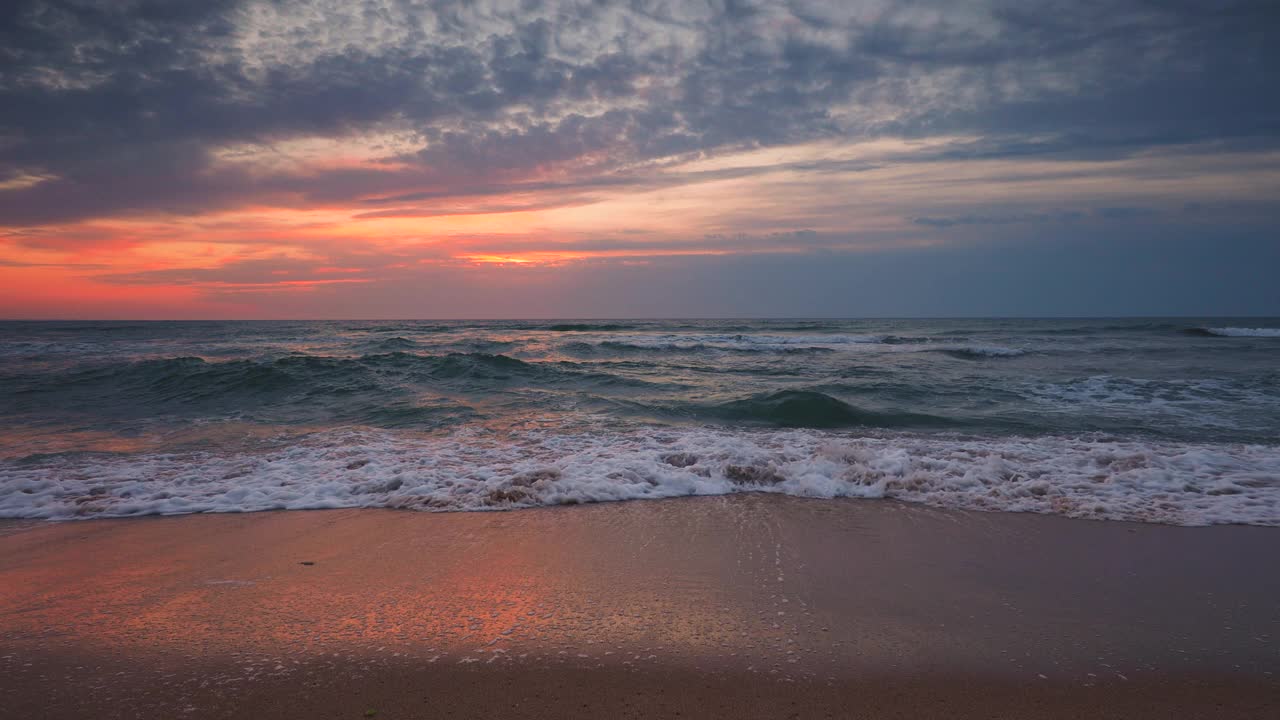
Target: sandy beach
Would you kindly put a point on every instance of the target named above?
(736, 606)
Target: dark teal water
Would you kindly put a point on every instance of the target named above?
(1095, 418)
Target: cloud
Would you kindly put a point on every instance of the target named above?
(126, 107)
(343, 156)
(946, 222)
(1151, 274)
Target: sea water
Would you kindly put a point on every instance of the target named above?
(1161, 420)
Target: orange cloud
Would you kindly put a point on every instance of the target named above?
(55, 292)
(817, 197)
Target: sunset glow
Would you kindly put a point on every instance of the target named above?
(337, 163)
(597, 359)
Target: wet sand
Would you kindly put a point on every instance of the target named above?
(739, 606)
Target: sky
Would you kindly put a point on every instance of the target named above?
(531, 158)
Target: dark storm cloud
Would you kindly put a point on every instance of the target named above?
(124, 106)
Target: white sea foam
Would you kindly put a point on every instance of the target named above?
(1185, 484)
(1244, 332)
(1205, 401)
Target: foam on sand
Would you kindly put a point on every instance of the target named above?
(1184, 484)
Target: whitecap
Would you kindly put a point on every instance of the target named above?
(1244, 332)
(1085, 477)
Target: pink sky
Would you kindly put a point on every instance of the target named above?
(357, 159)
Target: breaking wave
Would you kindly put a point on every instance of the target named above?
(981, 352)
(1237, 332)
(808, 409)
(1184, 484)
(1166, 419)
(292, 388)
(393, 344)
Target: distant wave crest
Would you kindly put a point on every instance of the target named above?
(588, 327)
(1238, 332)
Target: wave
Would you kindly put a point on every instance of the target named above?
(1183, 484)
(980, 352)
(192, 372)
(611, 348)
(477, 345)
(414, 327)
(809, 409)
(291, 388)
(588, 327)
(781, 344)
(392, 344)
(777, 344)
(1093, 329)
(791, 340)
(1235, 332)
(724, 343)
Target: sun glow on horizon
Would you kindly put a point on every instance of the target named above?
(274, 160)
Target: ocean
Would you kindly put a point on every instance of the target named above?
(1159, 420)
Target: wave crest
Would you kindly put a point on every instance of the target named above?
(981, 352)
(810, 409)
(383, 389)
(588, 327)
(1237, 332)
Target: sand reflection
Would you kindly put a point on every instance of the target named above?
(448, 587)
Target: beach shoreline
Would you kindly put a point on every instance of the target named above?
(747, 605)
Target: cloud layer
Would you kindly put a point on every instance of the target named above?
(239, 147)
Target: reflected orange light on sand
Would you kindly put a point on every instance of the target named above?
(125, 589)
(467, 587)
